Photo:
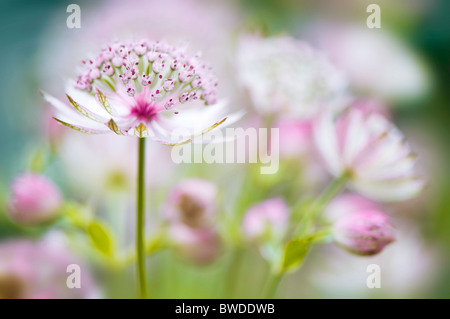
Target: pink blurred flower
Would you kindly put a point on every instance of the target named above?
(37, 270)
(295, 137)
(286, 76)
(372, 106)
(349, 203)
(371, 150)
(142, 88)
(364, 232)
(192, 202)
(267, 220)
(201, 246)
(34, 199)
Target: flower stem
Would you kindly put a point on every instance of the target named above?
(140, 220)
(274, 281)
(233, 272)
(320, 203)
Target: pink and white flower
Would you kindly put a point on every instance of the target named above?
(267, 220)
(364, 232)
(192, 202)
(34, 199)
(371, 151)
(38, 270)
(348, 203)
(201, 246)
(284, 75)
(142, 88)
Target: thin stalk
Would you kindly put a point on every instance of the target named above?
(232, 276)
(273, 284)
(320, 203)
(304, 226)
(140, 220)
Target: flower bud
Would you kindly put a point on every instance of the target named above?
(267, 220)
(201, 246)
(192, 202)
(348, 203)
(364, 232)
(34, 199)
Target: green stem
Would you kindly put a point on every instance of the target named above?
(305, 224)
(273, 283)
(233, 272)
(140, 220)
(320, 203)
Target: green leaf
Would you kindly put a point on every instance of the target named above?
(294, 253)
(101, 238)
(38, 161)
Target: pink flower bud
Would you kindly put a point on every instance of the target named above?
(201, 246)
(34, 199)
(192, 202)
(38, 270)
(364, 232)
(266, 220)
(349, 203)
(295, 137)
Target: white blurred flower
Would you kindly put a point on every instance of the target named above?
(98, 162)
(374, 61)
(371, 151)
(283, 75)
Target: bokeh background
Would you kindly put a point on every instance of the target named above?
(39, 52)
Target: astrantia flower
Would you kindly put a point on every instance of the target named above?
(349, 203)
(283, 75)
(364, 232)
(34, 199)
(192, 202)
(201, 246)
(146, 89)
(371, 151)
(267, 220)
(38, 270)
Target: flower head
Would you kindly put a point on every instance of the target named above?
(201, 246)
(349, 203)
(34, 199)
(371, 151)
(267, 220)
(283, 75)
(192, 202)
(141, 88)
(34, 270)
(364, 232)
